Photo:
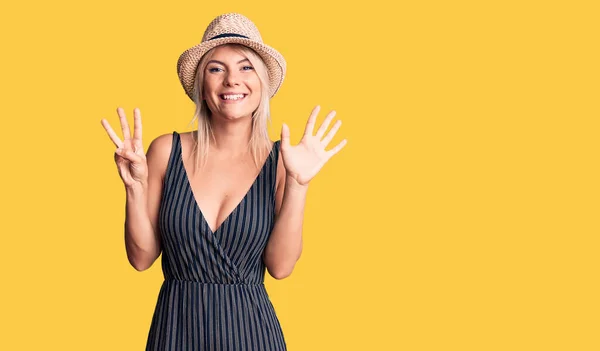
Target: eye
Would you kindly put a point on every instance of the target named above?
(213, 69)
(250, 68)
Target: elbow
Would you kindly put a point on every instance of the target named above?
(281, 274)
(283, 271)
(140, 268)
(281, 268)
(141, 260)
(139, 264)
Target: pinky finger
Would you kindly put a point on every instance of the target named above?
(337, 148)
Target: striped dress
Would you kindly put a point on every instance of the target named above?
(213, 297)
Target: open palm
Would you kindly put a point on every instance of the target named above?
(303, 161)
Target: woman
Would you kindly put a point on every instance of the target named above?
(219, 203)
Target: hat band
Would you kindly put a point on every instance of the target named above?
(224, 35)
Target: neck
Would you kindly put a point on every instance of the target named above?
(231, 137)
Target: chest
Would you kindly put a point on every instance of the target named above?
(221, 185)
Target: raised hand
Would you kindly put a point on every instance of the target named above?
(303, 161)
(129, 156)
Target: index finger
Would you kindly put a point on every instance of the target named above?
(310, 124)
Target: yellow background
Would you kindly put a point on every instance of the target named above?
(462, 214)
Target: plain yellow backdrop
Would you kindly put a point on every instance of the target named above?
(462, 214)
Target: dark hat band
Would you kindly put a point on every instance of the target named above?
(224, 35)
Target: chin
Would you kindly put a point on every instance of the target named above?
(238, 115)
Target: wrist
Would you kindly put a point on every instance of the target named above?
(136, 189)
(292, 184)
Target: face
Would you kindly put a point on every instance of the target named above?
(231, 86)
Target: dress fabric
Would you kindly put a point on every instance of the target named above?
(213, 297)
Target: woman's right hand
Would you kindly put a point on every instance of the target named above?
(129, 156)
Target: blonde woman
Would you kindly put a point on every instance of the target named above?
(223, 204)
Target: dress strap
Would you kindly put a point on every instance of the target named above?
(272, 170)
(173, 162)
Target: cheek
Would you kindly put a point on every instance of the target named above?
(256, 89)
(210, 84)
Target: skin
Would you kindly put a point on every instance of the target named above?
(230, 170)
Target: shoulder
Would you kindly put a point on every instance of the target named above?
(158, 153)
(161, 145)
(187, 141)
(186, 136)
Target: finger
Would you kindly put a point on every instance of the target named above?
(111, 133)
(325, 124)
(124, 124)
(337, 148)
(285, 136)
(122, 166)
(331, 133)
(137, 127)
(128, 154)
(310, 124)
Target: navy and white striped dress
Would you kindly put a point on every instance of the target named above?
(213, 296)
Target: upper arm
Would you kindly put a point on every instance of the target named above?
(157, 159)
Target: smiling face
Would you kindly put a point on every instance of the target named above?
(232, 89)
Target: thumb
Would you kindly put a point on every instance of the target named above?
(285, 136)
(127, 154)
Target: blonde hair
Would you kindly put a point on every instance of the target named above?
(260, 142)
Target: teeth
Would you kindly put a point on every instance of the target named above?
(233, 97)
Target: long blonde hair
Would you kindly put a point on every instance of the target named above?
(260, 142)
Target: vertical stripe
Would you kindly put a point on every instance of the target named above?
(213, 296)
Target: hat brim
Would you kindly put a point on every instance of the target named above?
(189, 59)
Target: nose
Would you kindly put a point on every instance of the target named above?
(231, 79)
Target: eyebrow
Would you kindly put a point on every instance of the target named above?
(216, 61)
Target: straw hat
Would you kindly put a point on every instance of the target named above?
(224, 29)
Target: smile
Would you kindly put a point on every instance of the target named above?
(233, 97)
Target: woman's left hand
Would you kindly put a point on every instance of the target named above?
(303, 161)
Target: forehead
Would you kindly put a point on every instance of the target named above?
(227, 53)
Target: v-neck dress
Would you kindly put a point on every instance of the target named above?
(213, 297)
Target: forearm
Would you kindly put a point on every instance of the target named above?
(285, 243)
(141, 241)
